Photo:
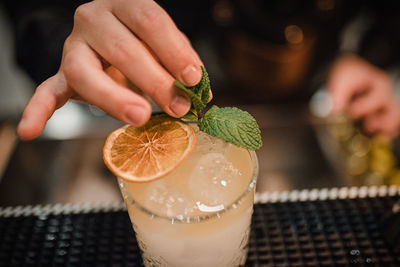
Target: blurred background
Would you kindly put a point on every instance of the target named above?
(270, 58)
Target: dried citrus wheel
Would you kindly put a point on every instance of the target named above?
(149, 152)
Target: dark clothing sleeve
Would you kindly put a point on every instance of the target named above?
(40, 29)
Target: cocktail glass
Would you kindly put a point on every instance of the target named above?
(200, 214)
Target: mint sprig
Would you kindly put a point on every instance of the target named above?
(191, 115)
(199, 94)
(230, 124)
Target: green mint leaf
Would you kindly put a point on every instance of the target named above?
(200, 93)
(191, 115)
(197, 103)
(203, 87)
(232, 125)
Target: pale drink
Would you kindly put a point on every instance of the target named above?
(200, 214)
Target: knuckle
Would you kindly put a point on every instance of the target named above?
(72, 69)
(150, 19)
(67, 41)
(122, 51)
(84, 13)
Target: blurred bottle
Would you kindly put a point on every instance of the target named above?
(369, 160)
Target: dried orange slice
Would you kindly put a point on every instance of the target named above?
(149, 152)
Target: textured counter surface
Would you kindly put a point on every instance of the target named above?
(335, 227)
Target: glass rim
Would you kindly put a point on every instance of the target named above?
(198, 218)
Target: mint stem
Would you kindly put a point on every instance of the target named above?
(229, 124)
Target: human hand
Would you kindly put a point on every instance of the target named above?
(140, 40)
(365, 93)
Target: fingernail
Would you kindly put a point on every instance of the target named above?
(135, 115)
(191, 75)
(180, 105)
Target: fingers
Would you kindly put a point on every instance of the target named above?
(49, 96)
(155, 28)
(84, 73)
(343, 86)
(386, 122)
(365, 93)
(340, 97)
(131, 56)
(349, 77)
(140, 40)
(366, 104)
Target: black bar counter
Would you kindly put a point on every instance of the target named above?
(320, 227)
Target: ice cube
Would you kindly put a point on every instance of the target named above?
(214, 181)
(165, 199)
